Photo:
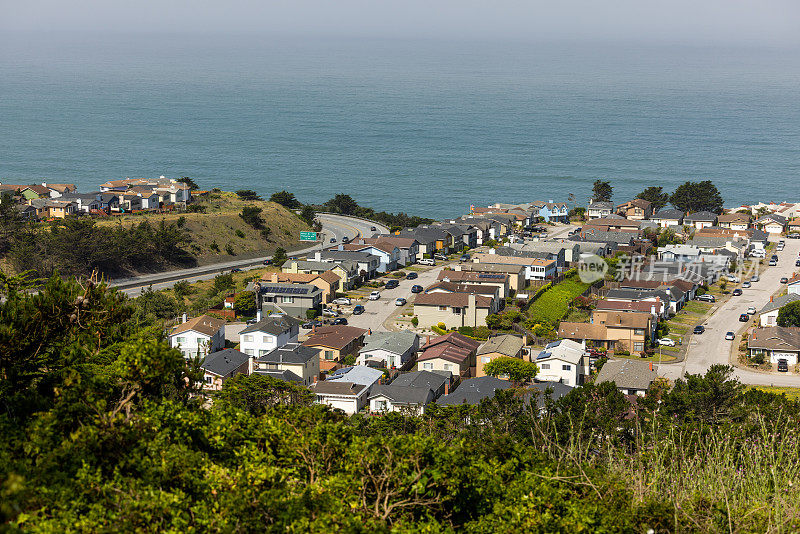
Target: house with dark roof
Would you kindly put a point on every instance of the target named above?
(453, 353)
(630, 376)
(198, 336)
(345, 396)
(498, 346)
(772, 223)
(668, 217)
(221, 365)
(328, 281)
(504, 277)
(292, 362)
(409, 392)
(768, 316)
(636, 210)
(268, 334)
(597, 210)
(431, 239)
(776, 343)
(389, 349)
(285, 298)
(346, 270)
(367, 263)
(701, 219)
(335, 342)
(473, 391)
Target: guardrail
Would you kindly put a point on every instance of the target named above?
(373, 223)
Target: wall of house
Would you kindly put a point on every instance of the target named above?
(375, 406)
(557, 370)
(439, 364)
(193, 344)
(432, 315)
(349, 404)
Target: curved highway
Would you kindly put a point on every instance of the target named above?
(333, 226)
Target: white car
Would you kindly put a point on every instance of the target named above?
(745, 285)
(733, 279)
(751, 310)
(330, 313)
(441, 257)
(342, 301)
(375, 295)
(667, 342)
(427, 261)
(400, 301)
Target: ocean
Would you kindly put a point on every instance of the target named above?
(424, 127)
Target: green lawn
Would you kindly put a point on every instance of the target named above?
(664, 358)
(697, 307)
(554, 303)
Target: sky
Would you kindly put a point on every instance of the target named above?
(766, 22)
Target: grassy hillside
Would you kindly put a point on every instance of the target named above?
(210, 232)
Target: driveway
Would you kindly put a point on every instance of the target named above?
(711, 348)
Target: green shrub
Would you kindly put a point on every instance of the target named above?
(240, 234)
(415, 321)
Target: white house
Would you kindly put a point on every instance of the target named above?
(776, 343)
(292, 362)
(357, 374)
(562, 361)
(345, 396)
(768, 316)
(772, 223)
(668, 217)
(199, 336)
(700, 219)
(794, 285)
(389, 349)
(268, 334)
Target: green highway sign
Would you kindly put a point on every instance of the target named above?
(308, 236)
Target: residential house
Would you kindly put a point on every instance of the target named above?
(630, 376)
(30, 192)
(514, 278)
(793, 225)
(357, 374)
(388, 254)
(562, 252)
(199, 336)
(345, 396)
(268, 334)
(85, 202)
(535, 268)
(291, 362)
(772, 223)
(597, 210)
(679, 253)
(668, 217)
(368, 264)
(620, 331)
(327, 282)
(109, 202)
(409, 392)
(793, 286)
(431, 239)
(499, 346)
(452, 353)
(221, 365)
(408, 247)
(463, 235)
(389, 349)
(53, 209)
(289, 299)
(490, 291)
(614, 223)
(485, 229)
(347, 271)
(775, 343)
(734, 221)
(452, 309)
(335, 342)
(588, 249)
(473, 391)
(636, 210)
(150, 200)
(656, 308)
(768, 316)
(700, 219)
(563, 361)
(554, 212)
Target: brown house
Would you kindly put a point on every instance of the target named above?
(451, 352)
(327, 281)
(334, 343)
(636, 209)
(613, 330)
(507, 345)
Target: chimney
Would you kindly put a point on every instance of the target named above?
(274, 278)
(770, 298)
(429, 340)
(447, 387)
(184, 318)
(258, 316)
(316, 377)
(651, 366)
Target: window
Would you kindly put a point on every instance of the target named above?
(180, 340)
(487, 359)
(287, 300)
(380, 405)
(442, 308)
(638, 331)
(447, 367)
(263, 352)
(427, 365)
(328, 354)
(456, 311)
(638, 346)
(566, 368)
(267, 339)
(247, 338)
(250, 352)
(545, 366)
(209, 379)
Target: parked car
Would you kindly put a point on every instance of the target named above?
(266, 262)
(733, 279)
(427, 261)
(342, 301)
(737, 292)
(311, 324)
(465, 257)
(783, 365)
(440, 257)
(707, 297)
(746, 285)
(751, 310)
(730, 336)
(797, 263)
(784, 280)
(345, 239)
(754, 278)
(251, 321)
(391, 284)
(699, 329)
(412, 276)
(400, 301)
(773, 263)
(328, 312)
(236, 270)
(743, 318)
(667, 342)
(793, 236)
(416, 288)
(774, 257)
(375, 295)
(333, 240)
(339, 320)
(373, 229)
(358, 309)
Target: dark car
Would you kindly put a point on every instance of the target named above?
(333, 240)
(743, 318)
(411, 276)
(736, 292)
(267, 262)
(311, 324)
(797, 263)
(236, 270)
(793, 236)
(358, 309)
(707, 297)
(339, 320)
(345, 239)
(391, 284)
(372, 229)
(784, 280)
(783, 365)
(774, 257)
(416, 289)
(699, 329)
(465, 257)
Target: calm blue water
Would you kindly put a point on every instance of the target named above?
(423, 127)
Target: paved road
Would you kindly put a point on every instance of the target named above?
(711, 348)
(336, 226)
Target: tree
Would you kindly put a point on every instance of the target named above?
(789, 315)
(655, 196)
(252, 216)
(691, 197)
(245, 304)
(247, 194)
(516, 369)
(158, 304)
(285, 199)
(188, 181)
(708, 398)
(343, 204)
(601, 191)
(279, 258)
(307, 214)
(256, 393)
